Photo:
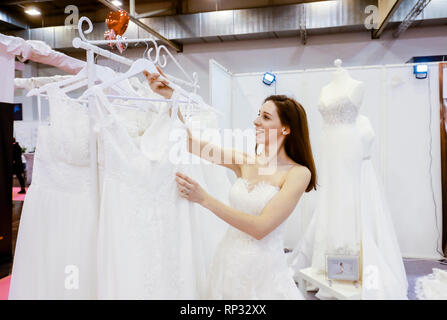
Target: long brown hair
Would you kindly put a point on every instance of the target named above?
(297, 142)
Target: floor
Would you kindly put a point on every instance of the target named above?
(5, 268)
(417, 268)
(414, 267)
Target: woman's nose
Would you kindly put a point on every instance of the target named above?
(257, 122)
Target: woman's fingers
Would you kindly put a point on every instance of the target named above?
(161, 71)
(182, 182)
(165, 82)
(185, 177)
(151, 76)
(189, 180)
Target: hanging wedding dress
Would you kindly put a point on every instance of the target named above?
(213, 178)
(351, 217)
(55, 255)
(248, 269)
(147, 247)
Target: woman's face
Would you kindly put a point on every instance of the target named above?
(268, 125)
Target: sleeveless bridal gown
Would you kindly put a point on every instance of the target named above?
(148, 247)
(55, 255)
(351, 216)
(248, 269)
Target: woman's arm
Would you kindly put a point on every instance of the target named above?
(274, 213)
(225, 157)
(228, 158)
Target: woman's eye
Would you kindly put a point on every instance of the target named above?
(265, 117)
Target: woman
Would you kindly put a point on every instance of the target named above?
(250, 262)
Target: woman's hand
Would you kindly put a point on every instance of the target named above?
(190, 189)
(158, 85)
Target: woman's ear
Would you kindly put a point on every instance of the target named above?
(285, 131)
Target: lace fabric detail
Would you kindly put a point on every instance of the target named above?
(432, 286)
(52, 172)
(136, 121)
(147, 208)
(62, 151)
(339, 111)
(247, 268)
(69, 126)
(252, 199)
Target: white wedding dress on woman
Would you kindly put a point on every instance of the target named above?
(351, 216)
(248, 269)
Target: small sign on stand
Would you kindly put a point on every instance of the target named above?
(343, 267)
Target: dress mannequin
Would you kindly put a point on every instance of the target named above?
(351, 216)
(343, 84)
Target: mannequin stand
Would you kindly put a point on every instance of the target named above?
(341, 290)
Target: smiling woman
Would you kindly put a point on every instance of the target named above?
(268, 188)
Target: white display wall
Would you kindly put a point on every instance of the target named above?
(404, 113)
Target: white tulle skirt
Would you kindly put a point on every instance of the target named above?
(337, 213)
(351, 218)
(383, 274)
(55, 255)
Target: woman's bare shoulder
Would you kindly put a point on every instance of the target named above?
(298, 171)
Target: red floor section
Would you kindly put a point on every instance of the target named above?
(17, 196)
(4, 288)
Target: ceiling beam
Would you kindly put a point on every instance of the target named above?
(176, 46)
(8, 19)
(412, 15)
(15, 2)
(387, 8)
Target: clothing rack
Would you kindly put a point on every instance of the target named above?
(92, 48)
(83, 42)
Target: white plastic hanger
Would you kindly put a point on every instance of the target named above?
(102, 74)
(81, 80)
(138, 67)
(78, 77)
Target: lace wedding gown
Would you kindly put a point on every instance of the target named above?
(351, 216)
(148, 247)
(55, 255)
(248, 269)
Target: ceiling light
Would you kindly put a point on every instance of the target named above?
(32, 12)
(117, 3)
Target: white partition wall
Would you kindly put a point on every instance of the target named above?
(413, 161)
(404, 113)
(220, 92)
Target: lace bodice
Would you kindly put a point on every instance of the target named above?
(252, 200)
(69, 129)
(247, 268)
(340, 110)
(62, 152)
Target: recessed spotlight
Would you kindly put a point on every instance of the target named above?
(32, 12)
(117, 3)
